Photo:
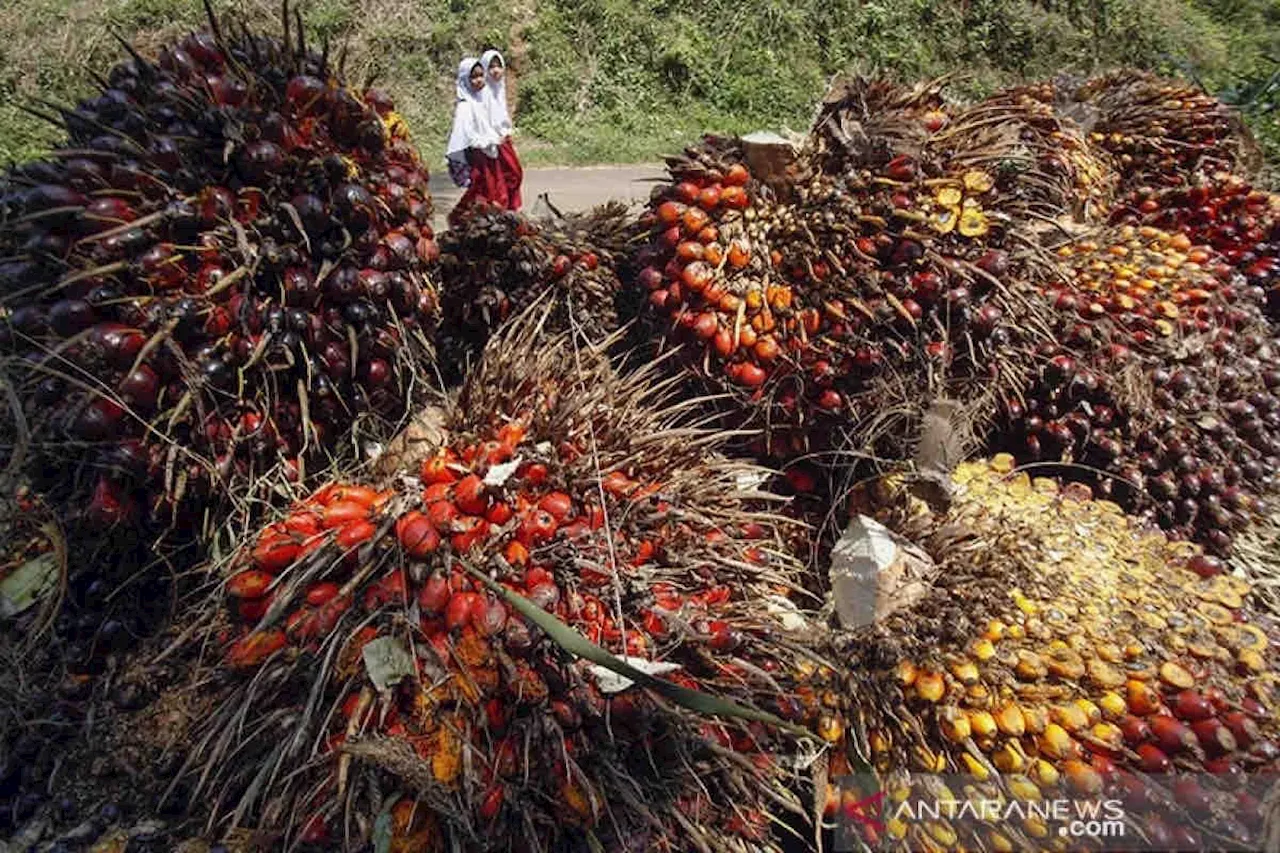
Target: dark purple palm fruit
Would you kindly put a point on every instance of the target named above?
(214, 224)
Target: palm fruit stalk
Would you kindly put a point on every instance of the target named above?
(1224, 213)
(497, 263)
(578, 490)
(1160, 130)
(221, 273)
(834, 318)
(1064, 651)
(1161, 387)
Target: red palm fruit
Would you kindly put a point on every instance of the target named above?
(342, 513)
(705, 326)
(1153, 759)
(437, 470)
(355, 534)
(697, 276)
(687, 192)
(499, 513)
(470, 495)
(469, 530)
(734, 198)
(458, 610)
(669, 213)
(1191, 706)
(723, 343)
(537, 527)
(689, 250)
(736, 176)
(693, 220)
(255, 647)
(709, 198)
(434, 595)
(1171, 735)
(252, 583)
(442, 515)
(751, 375)
(558, 505)
(322, 593)
(274, 553)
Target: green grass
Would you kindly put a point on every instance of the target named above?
(629, 80)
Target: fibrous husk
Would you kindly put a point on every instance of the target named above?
(1063, 652)
(370, 660)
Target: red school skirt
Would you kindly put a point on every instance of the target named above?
(512, 173)
(488, 184)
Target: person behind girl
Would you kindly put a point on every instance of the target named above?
(472, 152)
(500, 117)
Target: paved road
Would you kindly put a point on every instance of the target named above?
(568, 189)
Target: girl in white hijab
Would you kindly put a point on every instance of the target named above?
(472, 151)
(495, 97)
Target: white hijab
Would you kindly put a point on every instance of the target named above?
(495, 95)
(471, 126)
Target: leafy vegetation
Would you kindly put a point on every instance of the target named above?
(627, 80)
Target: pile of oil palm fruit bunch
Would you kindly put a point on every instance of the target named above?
(897, 260)
(497, 263)
(1016, 355)
(222, 271)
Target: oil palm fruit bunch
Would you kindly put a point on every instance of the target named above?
(1162, 130)
(1063, 651)
(222, 271)
(1044, 159)
(388, 605)
(831, 317)
(878, 115)
(497, 263)
(1225, 213)
(1161, 384)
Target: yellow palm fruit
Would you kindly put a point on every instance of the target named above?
(1011, 721)
(1045, 774)
(975, 767)
(930, 686)
(1112, 705)
(983, 724)
(1009, 758)
(954, 724)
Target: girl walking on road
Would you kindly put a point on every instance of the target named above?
(472, 152)
(495, 96)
